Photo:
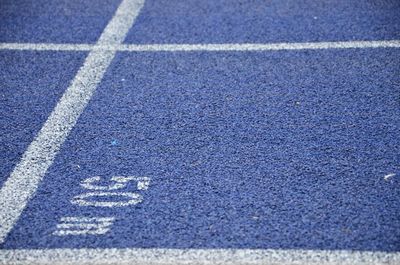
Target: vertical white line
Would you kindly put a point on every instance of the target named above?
(26, 176)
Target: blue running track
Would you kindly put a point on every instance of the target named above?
(285, 149)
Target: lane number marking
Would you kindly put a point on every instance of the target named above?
(83, 226)
(130, 198)
(120, 183)
(106, 195)
(100, 193)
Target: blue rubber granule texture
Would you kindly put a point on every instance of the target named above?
(31, 83)
(244, 150)
(55, 21)
(226, 21)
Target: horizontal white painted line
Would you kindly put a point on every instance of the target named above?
(82, 225)
(261, 47)
(201, 47)
(90, 230)
(195, 256)
(87, 219)
(46, 47)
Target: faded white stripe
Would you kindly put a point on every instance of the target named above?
(262, 47)
(89, 231)
(46, 47)
(26, 176)
(201, 47)
(195, 256)
(87, 219)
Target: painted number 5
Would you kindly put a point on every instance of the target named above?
(109, 195)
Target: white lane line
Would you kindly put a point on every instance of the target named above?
(201, 47)
(46, 47)
(195, 256)
(262, 47)
(26, 176)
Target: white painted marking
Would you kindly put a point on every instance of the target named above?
(46, 47)
(142, 182)
(121, 182)
(26, 176)
(86, 219)
(83, 226)
(262, 47)
(88, 184)
(202, 47)
(91, 199)
(196, 256)
(388, 176)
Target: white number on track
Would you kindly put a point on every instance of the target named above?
(107, 195)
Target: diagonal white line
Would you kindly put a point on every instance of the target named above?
(26, 176)
(201, 47)
(196, 256)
